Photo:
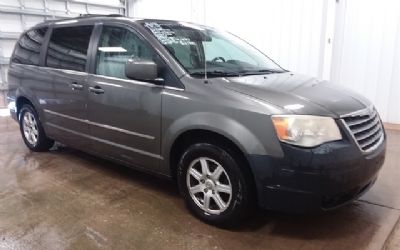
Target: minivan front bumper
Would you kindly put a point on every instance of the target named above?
(316, 179)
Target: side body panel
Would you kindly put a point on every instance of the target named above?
(125, 116)
(125, 120)
(25, 81)
(64, 97)
(60, 106)
(63, 106)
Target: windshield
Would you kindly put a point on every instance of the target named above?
(199, 50)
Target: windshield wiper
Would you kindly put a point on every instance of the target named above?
(214, 73)
(262, 71)
(220, 73)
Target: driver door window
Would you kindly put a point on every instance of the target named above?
(116, 46)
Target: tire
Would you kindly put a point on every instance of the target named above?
(231, 185)
(32, 131)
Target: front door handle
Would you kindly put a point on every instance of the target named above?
(96, 90)
(76, 86)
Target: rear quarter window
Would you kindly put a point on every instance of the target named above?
(27, 49)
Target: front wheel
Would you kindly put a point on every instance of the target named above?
(213, 184)
(32, 131)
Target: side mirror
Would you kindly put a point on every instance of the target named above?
(141, 69)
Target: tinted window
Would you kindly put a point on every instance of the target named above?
(68, 47)
(116, 46)
(27, 49)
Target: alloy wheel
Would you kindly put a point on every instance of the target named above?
(30, 128)
(209, 185)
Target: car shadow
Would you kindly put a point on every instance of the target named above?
(155, 182)
(327, 225)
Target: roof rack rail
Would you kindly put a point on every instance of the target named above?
(83, 16)
(100, 15)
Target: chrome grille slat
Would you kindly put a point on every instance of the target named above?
(366, 128)
(364, 136)
(370, 140)
(357, 122)
(375, 144)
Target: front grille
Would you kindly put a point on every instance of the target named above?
(366, 128)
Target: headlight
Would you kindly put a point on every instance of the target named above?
(306, 130)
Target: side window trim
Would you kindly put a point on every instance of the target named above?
(93, 45)
(43, 49)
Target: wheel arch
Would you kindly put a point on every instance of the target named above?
(21, 101)
(199, 127)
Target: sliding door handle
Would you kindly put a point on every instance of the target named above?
(96, 90)
(76, 86)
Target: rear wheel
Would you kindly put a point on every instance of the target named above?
(32, 131)
(213, 185)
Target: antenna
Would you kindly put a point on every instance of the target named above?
(204, 48)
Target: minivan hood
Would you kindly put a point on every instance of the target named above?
(298, 94)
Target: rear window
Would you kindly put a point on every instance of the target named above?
(68, 47)
(27, 49)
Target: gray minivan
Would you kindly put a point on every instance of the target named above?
(198, 105)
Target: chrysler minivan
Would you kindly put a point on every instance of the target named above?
(198, 105)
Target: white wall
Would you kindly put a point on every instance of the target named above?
(366, 55)
(354, 43)
(286, 30)
(181, 10)
(289, 31)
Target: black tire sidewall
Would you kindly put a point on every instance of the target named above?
(43, 143)
(239, 200)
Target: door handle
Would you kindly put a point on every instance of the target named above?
(96, 90)
(76, 86)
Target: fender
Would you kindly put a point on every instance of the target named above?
(18, 89)
(223, 125)
(19, 93)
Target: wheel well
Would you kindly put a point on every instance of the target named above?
(193, 136)
(20, 102)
